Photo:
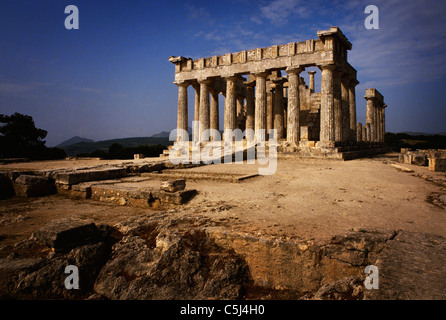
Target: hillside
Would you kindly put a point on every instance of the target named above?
(72, 141)
(87, 147)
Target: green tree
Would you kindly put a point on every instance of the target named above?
(19, 137)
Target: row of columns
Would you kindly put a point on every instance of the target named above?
(337, 113)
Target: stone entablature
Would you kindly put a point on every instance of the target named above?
(330, 48)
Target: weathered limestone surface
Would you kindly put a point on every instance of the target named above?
(65, 234)
(33, 186)
(411, 268)
(155, 256)
(75, 177)
(173, 185)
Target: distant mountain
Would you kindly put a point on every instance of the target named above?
(423, 133)
(73, 140)
(162, 134)
(87, 147)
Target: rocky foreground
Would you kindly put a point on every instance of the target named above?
(154, 256)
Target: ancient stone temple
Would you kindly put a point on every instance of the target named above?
(264, 90)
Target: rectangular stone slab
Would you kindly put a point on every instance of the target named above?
(65, 234)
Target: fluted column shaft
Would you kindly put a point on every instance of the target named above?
(352, 104)
(346, 133)
(278, 111)
(260, 106)
(230, 107)
(358, 132)
(250, 107)
(327, 129)
(337, 105)
(182, 110)
(196, 128)
(311, 73)
(293, 125)
(269, 109)
(371, 119)
(214, 110)
(204, 108)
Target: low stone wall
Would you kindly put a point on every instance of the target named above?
(103, 183)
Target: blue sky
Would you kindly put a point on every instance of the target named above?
(112, 79)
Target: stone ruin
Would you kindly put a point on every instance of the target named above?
(435, 159)
(260, 96)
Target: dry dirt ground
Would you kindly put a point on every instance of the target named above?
(304, 199)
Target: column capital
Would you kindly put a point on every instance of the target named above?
(182, 84)
(205, 81)
(294, 70)
(311, 72)
(262, 74)
(251, 83)
(331, 67)
(231, 78)
(370, 98)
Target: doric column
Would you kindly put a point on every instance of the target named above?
(352, 104)
(182, 110)
(196, 128)
(278, 110)
(293, 126)
(269, 108)
(239, 105)
(364, 133)
(371, 118)
(337, 105)
(311, 73)
(204, 108)
(250, 107)
(214, 110)
(378, 123)
(230, 107)
(368, 132)
(260, 106)
(327, 133)
(358, 132)
(346, 134)
(383, 119)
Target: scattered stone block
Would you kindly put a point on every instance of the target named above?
(64, 234)
(401, 168)
(33, 186)
(173, 185)
(160, 198)
(138, 156)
